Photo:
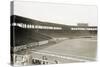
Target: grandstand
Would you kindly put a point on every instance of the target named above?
(33, 34)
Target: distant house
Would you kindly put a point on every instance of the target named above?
(82, 24)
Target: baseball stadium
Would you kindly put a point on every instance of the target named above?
(35, 42)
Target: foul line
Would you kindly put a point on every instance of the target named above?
(84, 57)
(63, 57)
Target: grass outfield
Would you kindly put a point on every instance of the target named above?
(67, 51)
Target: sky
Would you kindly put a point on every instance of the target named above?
(57, 13)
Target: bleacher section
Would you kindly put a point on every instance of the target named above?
(24, 36)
